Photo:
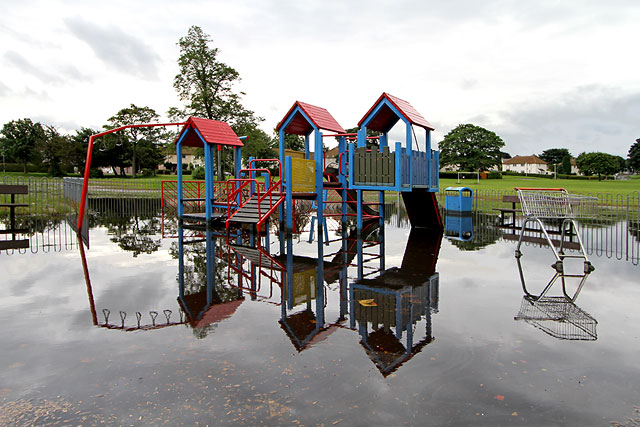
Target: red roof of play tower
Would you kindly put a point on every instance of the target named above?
(212, 131)
(385, 118)
(320, 117)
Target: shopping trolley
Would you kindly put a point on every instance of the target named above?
(556, 204)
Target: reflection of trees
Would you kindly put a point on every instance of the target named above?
(132, 223)
(634, 229)
(33, 223)
(485, 232)
(195, 268)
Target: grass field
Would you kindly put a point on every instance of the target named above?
(509, 182)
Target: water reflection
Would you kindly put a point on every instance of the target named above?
(390, 309)
(143, 321)
(386, 309)
(558, 317)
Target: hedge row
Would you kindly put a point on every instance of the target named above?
(18, 167)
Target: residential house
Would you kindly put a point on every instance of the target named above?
(525, 164)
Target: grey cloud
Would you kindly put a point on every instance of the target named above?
(27, 67)
(59, 76)
(4, 90)
(590, 118)
(116, 48)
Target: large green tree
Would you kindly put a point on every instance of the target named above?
(471, 148)
(206, 85)
(134, 115)
(18, 140)
(597, 164)
(54, 150)
(634, 156)
(554, 156)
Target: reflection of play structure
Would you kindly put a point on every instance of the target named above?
(388, 307)
(140, 324)
(542, 205)
(207, 302)
(558, 317)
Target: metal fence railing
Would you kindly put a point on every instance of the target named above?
(613, 231)
(45, 194)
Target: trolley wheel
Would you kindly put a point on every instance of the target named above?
(558, 266)
(588, 267)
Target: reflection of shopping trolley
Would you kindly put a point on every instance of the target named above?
(558, 317)
(553, 205)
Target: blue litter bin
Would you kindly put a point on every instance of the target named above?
(458, 199)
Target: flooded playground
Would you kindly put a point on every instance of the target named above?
(153, 323)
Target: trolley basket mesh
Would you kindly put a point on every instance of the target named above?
(555, 203)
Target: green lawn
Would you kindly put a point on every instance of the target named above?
(509, 182)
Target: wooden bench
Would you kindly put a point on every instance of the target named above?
(13, 190)
(512, 211)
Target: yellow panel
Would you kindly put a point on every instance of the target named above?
(303, 175)
(294, 154)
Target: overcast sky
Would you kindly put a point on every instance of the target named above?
(541, 74)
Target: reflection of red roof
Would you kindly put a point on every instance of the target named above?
(385, 118)
(212, 131)
(319, 117)
(218, 312)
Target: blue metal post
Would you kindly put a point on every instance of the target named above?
(360, 257)
(320, 285)
(238, 159)
(181, 262)
(307, 151)
(398, 155)
(179, 172)
(427, 139)
(410, 154)
(359, 210)
(318, 154)
(288, 198)
(211, 266)
(398, 315)
(383, 141)
(289, 271)
(208, 183)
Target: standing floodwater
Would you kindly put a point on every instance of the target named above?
(154, 323)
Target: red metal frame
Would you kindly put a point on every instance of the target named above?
(87, 168)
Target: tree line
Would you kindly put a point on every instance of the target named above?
(473, 148)
(204, 84)
(207, 88)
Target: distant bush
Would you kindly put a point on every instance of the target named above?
(494, 175)
(147, 172)
(198, 173)
(96, 173)
(17, 167)
(448, 174)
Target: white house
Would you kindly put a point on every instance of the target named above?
(525, 164)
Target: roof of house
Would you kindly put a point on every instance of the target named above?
(212, 132)
(385, 117)
(320, 118)
(524, 160)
